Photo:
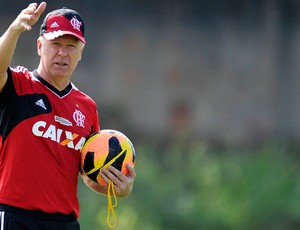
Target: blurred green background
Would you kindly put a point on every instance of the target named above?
(201, 188)
(208, 92)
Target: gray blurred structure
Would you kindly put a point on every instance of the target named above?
(221, 71)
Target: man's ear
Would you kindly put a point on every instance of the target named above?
(81, 52)
(39, 46)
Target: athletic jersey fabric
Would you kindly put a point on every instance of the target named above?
(42, 131)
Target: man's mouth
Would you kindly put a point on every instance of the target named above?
(61, 63)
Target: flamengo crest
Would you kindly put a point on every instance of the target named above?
(79, 118)
(76, 23)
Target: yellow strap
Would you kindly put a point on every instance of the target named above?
(111, 205)
(111, 189)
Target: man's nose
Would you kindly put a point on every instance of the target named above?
(62, 51)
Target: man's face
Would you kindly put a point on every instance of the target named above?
(59, 57)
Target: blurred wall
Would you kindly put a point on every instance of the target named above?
(216, 71)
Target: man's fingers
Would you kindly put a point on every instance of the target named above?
(40, 9)
(131, 170)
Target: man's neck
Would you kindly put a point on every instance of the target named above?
(57, 82)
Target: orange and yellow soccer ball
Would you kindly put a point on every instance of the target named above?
(104, 148)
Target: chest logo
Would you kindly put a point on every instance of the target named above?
(79, 118)
(62, 121)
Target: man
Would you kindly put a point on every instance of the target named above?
(44, 121)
